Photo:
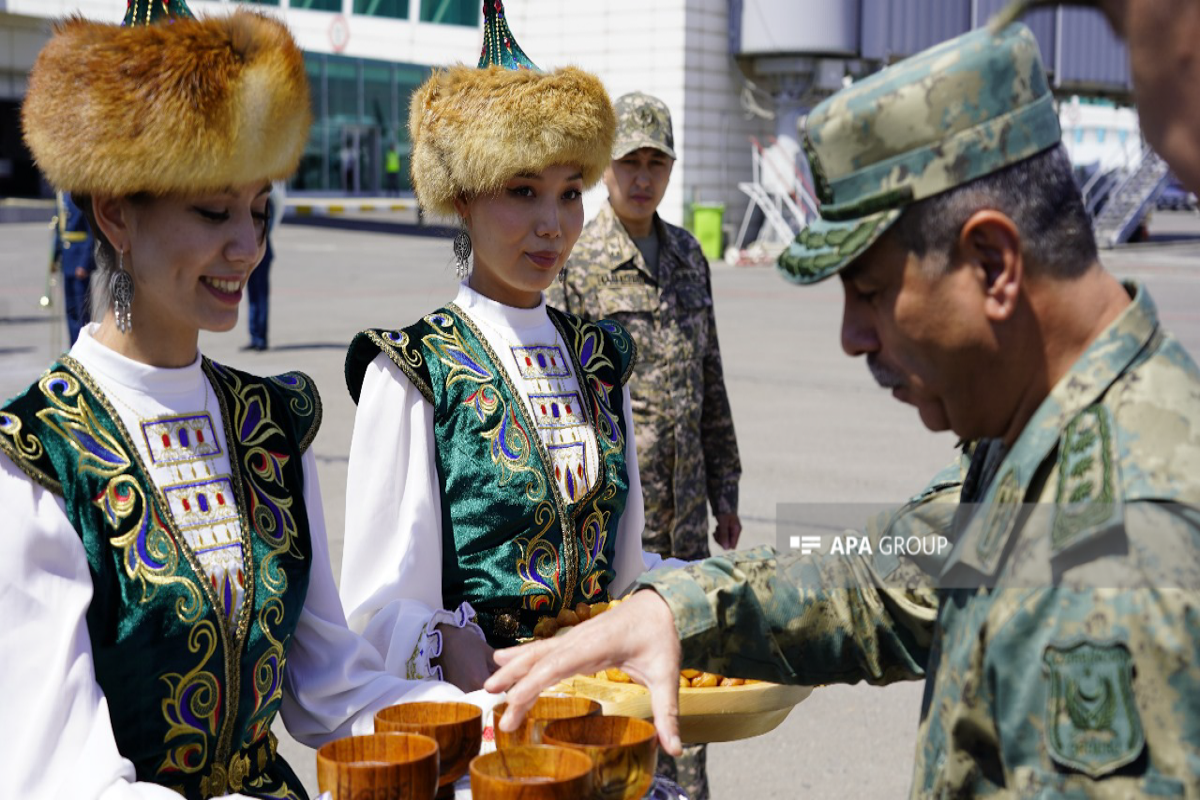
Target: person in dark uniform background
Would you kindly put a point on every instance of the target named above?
(258, 287)
(75, 251)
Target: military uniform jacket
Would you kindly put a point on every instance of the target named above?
(1057, 634)
(680, 406)
(165, 585)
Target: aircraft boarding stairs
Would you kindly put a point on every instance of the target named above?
(1131, 200)
(779, 191)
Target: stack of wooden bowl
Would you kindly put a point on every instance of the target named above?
(563, 750)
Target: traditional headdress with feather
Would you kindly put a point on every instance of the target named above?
(474, 128)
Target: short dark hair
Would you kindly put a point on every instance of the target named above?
(1038, 194)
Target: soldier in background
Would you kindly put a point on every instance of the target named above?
(75, 250)
(1056, 633)
(258, 286)
(651, 276)
(1161, 36)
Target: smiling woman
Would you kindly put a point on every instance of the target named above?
(493, 476)
(164, 574)
(187, 258)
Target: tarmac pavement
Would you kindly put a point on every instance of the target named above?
(812, 428)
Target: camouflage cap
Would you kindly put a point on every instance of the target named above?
(642, 121)
(956, 112)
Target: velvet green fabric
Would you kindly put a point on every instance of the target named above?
(191, 700)
(512, 545)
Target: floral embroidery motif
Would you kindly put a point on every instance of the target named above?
(300, 402)
(99, 452)
(149, 553)
(593, 533)
(509, 443)
(28, 446)
(398, 347)
(587, 346)
(270, 506)
(461, 361)
(510, 447)
(192, 706)
(485, 401)
(268, 673)
(540, 565)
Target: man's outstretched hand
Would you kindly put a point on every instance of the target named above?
(638, 637)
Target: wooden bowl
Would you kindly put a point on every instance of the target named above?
(456, 727)
(716, 714)
(532, 772)
(382, 766)
(545, 710)
(623, 749)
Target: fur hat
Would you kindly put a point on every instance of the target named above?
(182, 107)
(474, 128)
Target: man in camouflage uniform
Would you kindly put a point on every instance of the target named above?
(631, 266)
(1056, 630)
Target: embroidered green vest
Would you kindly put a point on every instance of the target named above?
(512, 545)
(191, 701)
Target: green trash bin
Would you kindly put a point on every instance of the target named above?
(706, 226)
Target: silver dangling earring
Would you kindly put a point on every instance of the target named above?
(462, 252)
(120, 289)
(562, 277)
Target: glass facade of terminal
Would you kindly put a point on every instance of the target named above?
(451, 12)
(360, 106)
(397, 9)
(439, 12)
(360, 109)
(312, 5)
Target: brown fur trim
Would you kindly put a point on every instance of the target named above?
(173, 108)
(474, 129)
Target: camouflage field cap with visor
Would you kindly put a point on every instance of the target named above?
(939, 119)
(642, 121)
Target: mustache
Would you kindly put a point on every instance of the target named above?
(884, 375)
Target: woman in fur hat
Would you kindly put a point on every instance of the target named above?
(164, 575)
(492, 469)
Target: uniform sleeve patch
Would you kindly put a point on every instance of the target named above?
(1092, 722)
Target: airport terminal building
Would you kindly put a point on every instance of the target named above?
(737, 74)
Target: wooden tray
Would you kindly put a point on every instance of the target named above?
(716, 714)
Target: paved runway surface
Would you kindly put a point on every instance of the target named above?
(812, 426)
